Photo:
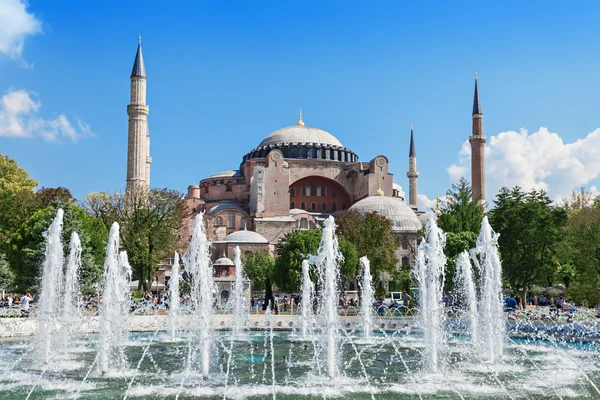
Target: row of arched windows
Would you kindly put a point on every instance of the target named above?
(313, 206)
(231, 221)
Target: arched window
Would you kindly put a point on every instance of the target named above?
(344, 206)
(303, 190)
(219, 221)
(404, 241)
(244, 223)
(313, 189)
(303, 223)
(323, 191)
(334, 207)
(303, 206)
(324, 207)
(313, 206)
(292, 192)
(231, 220)
(405, 262)
(292, 205)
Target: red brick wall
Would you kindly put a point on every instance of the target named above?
(331, 187)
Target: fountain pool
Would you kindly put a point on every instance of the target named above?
(389, 366)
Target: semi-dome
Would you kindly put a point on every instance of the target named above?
(226, 174)
(300, 134)
(224, 261)
(245, 236)
(402, 216)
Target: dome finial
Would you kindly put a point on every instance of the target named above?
(437, 205)
(379, 192)
(139, 39)
(300, 122)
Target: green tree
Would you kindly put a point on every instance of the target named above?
(372, 236)
(459, 213)
(530, 228)
(456, 243)
(150, 223)
(581, 251)
(16, 191)
(27, 245)
(259, 267)
(6, 275)
(296, 247)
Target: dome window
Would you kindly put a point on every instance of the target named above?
(313, 206)
(292, 205)
(292, 192)
(303, 206)
(324, 207)
(219, 221)
(334, 207)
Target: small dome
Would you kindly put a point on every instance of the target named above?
(300, 134)
(224, 261)
(226, 174)
(245, 236)
(402, 216)
(193, 186)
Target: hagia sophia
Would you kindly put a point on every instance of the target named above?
(293, 179)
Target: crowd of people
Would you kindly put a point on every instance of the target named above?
(21, 302)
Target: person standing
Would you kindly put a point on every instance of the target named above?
(25, 304)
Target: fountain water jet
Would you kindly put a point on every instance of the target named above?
(174, 306)
(240, 307)
(429, 272)
(51, 288)
(198, 264)
(486, 259)
(466, 293)
(327, 261)
(114, 308)
(306, 306)
(367, 298)
(70, 311)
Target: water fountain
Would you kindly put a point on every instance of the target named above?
(465, 293)
(199, 266)
(327, 261)
(367, 298)
(492, 327)
(429, 272)
(240, 306)
(114, 307)
(71, 313)
(396, 362)
(306, 305)
(49, 309)
(174, 306)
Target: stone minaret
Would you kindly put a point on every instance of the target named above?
(138, 143)
(477, 140)
(412, 174)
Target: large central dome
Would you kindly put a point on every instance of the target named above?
(303, 142)
(300, 134)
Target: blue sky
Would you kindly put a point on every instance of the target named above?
(223, 75)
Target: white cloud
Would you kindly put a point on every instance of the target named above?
(15, 25)
(540, 160)
(426, 204)
(18, 118)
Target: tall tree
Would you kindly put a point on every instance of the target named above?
(296, 247)
(372, 236)
(581, 251)
(460, 217)
(150, 223)
(459, 213)
(259, 267)
(26, 251)
(530, 229)
(16, 191)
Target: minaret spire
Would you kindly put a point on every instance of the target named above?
(412, 174)
(300, 122)
(138, 142)
(477, 140)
